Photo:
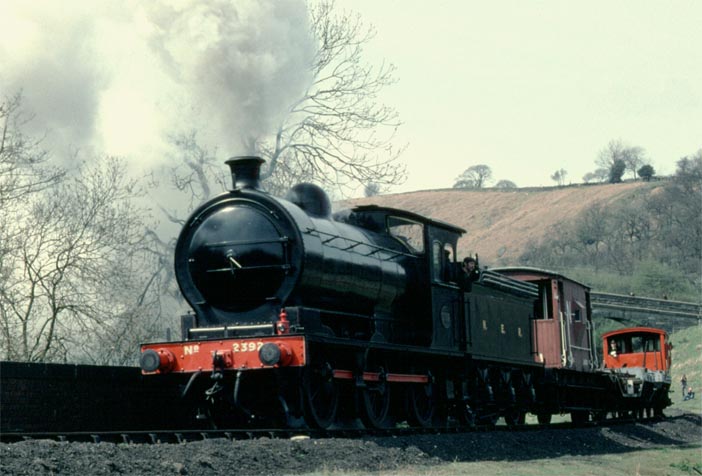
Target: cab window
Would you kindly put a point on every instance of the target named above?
(409, 233)
(436, 255)
(577, 308)
(443, 256)
(652, 343)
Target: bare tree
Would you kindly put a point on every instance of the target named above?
(79, 278)
(196, 172)
(680, 209)
(475, 176)
(634, 159)
(338, 133)
(591, 234)
(23, 174)
(559, 176)
(23, 168)
(23, 163)
(632, 156)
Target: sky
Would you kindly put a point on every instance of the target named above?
(526, 87)
(530, 87)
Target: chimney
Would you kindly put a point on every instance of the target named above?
(246, 171)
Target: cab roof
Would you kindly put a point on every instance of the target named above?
(408, 215)
(537, 273)
(634, 330)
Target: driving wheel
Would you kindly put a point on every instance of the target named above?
(320, 395)
(374, 400)
(421, 405)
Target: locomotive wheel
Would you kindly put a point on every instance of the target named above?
(464, 411)
(320, 396)
(375, 406)
(487, 417)
(346, 414)
(599, 416)
(543, 418)
(466, 415)
(515, 417)
(579, 417)
(421, 405)
(374, 402)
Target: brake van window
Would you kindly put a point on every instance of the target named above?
(408, 232)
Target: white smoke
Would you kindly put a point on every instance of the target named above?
(241, 66)
(119, 76)
(44, 54)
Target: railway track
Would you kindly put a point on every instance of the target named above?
(190, 435)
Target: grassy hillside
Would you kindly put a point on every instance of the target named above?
(687, 359)
(634, 237)
(500, 223)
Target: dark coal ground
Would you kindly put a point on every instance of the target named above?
(278, 456)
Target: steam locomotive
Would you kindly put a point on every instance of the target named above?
(304, 317)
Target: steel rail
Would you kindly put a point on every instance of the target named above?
(189, 435)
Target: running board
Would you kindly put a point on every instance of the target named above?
(377, 377)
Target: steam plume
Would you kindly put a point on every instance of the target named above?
(118, 76)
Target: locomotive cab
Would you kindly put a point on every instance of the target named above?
(430, 304)
(447, 324)
(638, 361)
(643, 347)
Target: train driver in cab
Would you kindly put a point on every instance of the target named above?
(471, 272)
(613, 348)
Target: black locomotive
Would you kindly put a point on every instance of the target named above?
(301, 315)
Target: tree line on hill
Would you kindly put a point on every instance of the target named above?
(648, 245)
(612, 163)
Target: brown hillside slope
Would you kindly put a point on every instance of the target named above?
(501, 223)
